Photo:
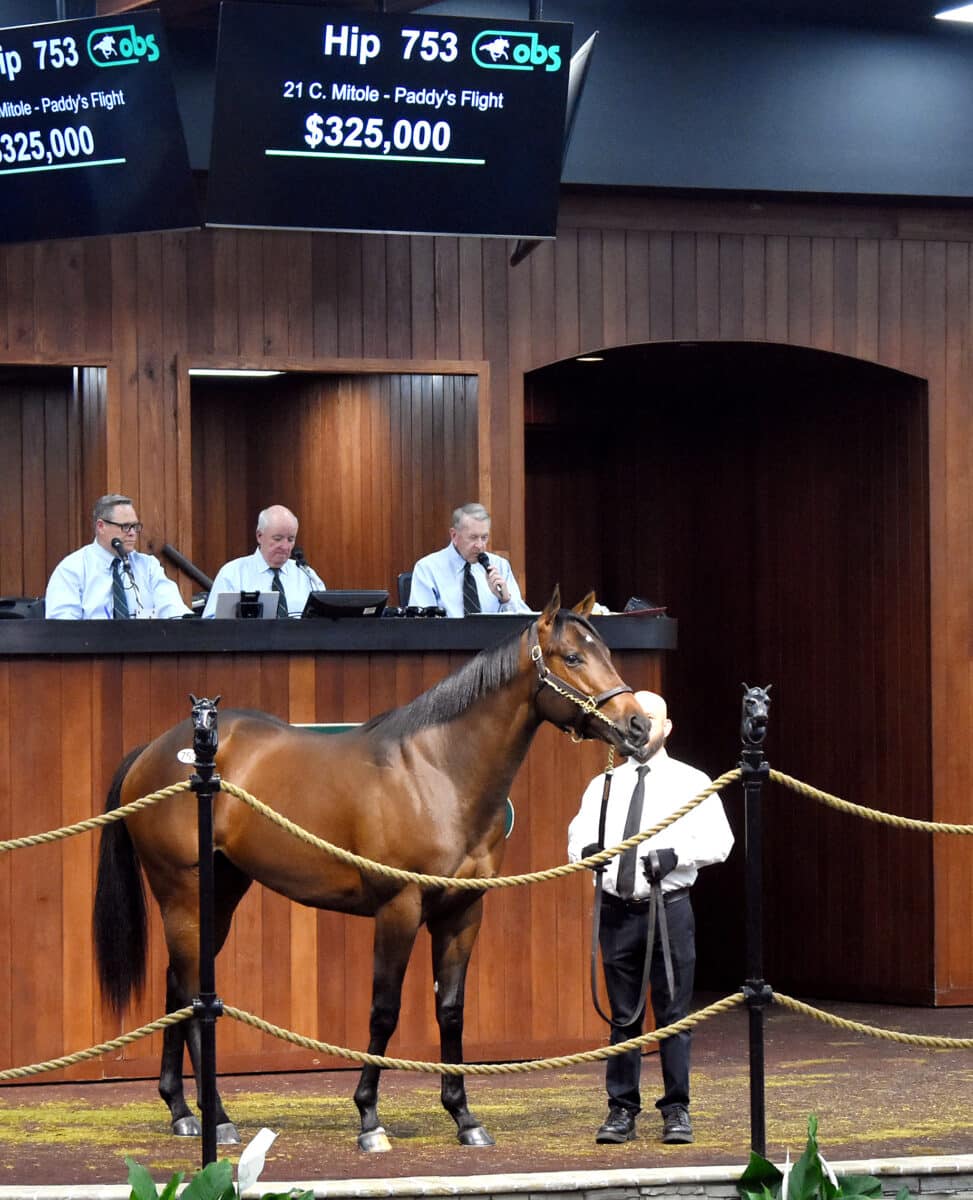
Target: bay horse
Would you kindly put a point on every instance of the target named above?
(421, 787)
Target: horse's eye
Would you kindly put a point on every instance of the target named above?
(572, 659)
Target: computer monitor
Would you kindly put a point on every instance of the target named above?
(246, 604)
(333, 603)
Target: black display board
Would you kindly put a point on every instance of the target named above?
(90, 138)
(339, 119)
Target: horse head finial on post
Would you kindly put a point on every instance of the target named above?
(206, 734)
(756, 714)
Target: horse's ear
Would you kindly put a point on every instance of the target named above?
(587, 604)
(546, 619)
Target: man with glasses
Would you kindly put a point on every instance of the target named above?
(102, 582)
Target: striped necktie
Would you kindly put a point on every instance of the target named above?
(625, 883)
(278, 587)
(471, 597)
(119, 600)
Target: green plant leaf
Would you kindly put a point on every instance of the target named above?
(760, 1176)
(213, 1182)
(142, 1183)
(169, 1191)
(861, 1185)
(807, 1179)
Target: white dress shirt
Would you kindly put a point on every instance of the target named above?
(80, 587)
(253, 573)
(703, 836)
(438, 579)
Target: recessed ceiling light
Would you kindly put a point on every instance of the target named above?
(232, 373)
(963, 13)
(590, 358)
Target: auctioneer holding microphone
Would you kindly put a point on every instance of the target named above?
(109, 579)
(462, 578)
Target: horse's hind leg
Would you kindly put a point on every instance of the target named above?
(184, 1123)
(453, 937)
(182, 983)
(396, 926)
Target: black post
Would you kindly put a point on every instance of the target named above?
(753, 730)
(205, 782)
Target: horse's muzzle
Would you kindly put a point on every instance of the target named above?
(635, 734)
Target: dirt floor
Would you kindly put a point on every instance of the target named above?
(873, 1099)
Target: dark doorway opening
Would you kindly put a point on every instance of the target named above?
(776, 500)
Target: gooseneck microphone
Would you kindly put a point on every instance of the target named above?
(484, 560)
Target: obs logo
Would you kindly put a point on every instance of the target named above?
(503, 50)
(120, 46)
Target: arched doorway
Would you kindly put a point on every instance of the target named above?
(776, 500)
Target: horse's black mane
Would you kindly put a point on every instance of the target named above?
(452, 696)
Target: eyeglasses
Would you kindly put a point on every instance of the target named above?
(125, 526)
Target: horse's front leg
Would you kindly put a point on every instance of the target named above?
(396, 926)
(453, 937)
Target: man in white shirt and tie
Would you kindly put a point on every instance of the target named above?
(462, 578)
(109, 580)
(270, 568)
(642, 794)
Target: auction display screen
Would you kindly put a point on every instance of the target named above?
(338, 119)
(90, 137)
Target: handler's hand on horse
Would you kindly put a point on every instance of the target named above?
(658, 863)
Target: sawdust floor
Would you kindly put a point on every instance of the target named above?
(872, 1098)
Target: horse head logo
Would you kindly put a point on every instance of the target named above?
(756, 712)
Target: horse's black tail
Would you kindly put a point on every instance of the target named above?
(120, 923)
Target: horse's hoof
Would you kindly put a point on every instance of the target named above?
(187, 1127)
(477, 1136)
(374, 1141)
(227, 1135)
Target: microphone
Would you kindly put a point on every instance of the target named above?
(297, 554)
(119, 547)
(484, 560)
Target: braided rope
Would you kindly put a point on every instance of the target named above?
(68, 1060)
(888, 1035)
(117, 814)
(868, 814)
(472, 885)
(515, 1068)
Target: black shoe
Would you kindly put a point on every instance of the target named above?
(620, 1126)
(676, 1126)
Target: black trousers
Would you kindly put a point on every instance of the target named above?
(622, 938)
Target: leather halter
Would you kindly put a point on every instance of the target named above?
(587, 705)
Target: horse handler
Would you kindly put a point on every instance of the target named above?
(642, 904)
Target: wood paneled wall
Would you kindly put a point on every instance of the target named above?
(889, 284)
(372, 465)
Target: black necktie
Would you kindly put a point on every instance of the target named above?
(471, 597)
(119, 600)
(625, 884)
(278, 587)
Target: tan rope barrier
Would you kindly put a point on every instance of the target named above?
(384, 1062)
(473, 885)
(888, 1035)
(68, 1060)
(117, 814)
(868, 814)
(514, 1068)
